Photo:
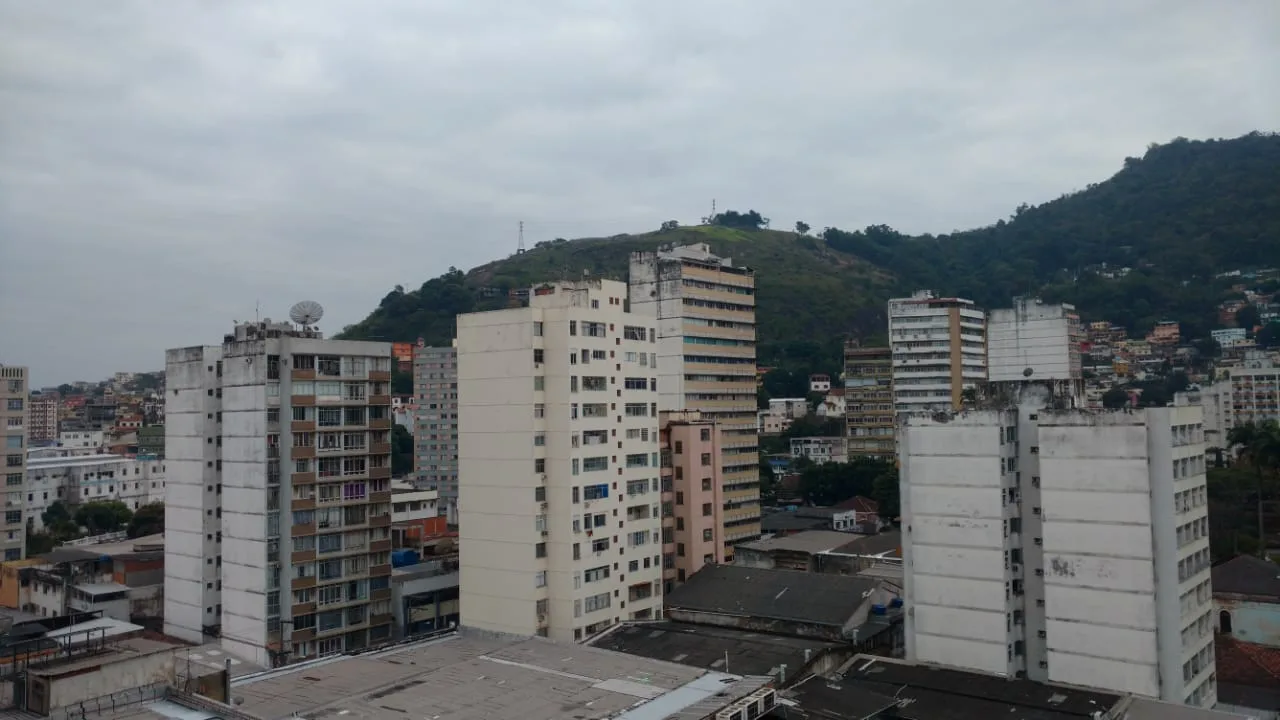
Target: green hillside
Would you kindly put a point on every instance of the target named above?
(1176, 216)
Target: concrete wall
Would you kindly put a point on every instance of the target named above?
(191, 407)
(110, 677)
(954, 541)
(688, 476)
(1044, 338)
(1251, 621)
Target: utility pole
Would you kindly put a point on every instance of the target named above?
(520, 243)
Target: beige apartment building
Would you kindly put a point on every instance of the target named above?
(13, 430)
(939, 350)
(706, 318)
(278, 494)
(559, 491)
(692, 495)
(42, 419)
(868, 402)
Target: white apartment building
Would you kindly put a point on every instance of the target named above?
(1248, 392)
(278, 503)
(1036, 342)
(1061, 545)
(939, 350)
(819, 450)
(83, 479)
(13, 433)
(706, 319)
(81, 439)
(559, 492)
(435, 437)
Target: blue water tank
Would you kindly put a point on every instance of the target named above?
(878, 609)
(895, 603)
(401, 558)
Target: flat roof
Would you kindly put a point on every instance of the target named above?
(48, 463)
(708, 647)
(792, 595)
(812, 541)
(479, 676)
(930, 693)
(880, 544)
(110, 626)
(101, 588)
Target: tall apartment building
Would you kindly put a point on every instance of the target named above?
(706, 319)
(278, 495)
(1036, 342)
(13, 428)
(1061, 545)
(868, 402)
(1249, 392)
(692, 495)
(42, 416)
(559, 495)
(939, 350)
(435, 383)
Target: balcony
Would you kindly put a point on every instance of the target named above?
(380, 375)
(379, 399)
(302, 556)
(302, 609)
(300, 530)
(302, 635)
(308, 478)
(302, 425)
(380, 497)
(380, 449)
(303, 374)
(303, 400)
(380, 424)
(380, 546)
(380, 570)
(303, 583)
(380, 594)
(379, 473)
(380, 521)
(299, 453)
(301, 504)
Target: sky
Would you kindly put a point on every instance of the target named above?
(167, 168)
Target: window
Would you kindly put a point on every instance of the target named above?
(595, 464)
(537, 332)
(638, 460)
(539, 383)
(595, 492)
(596, 574)
(594, 383)
(706, 509)
(636, 410)
(706, 459)
(539, 410)
(540, 550)
(636, 383)
(706, 535)
(596, 602)
(706, 484)
(705, 434)
(540, 577)
(540, 465)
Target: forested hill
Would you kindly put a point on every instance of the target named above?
(1176, 216)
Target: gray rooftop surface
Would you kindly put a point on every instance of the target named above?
(819, 598)
(706, 647)
(871, 544)
(811, 541)
(473, 676)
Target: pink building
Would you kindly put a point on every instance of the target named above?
(692, 499)
(42, 419)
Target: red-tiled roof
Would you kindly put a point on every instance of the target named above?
(1245, 663)
(859, 503)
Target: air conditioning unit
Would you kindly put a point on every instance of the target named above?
(545, 533)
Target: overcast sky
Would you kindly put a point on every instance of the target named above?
(165, 164)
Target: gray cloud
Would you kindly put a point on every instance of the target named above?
(165, 165)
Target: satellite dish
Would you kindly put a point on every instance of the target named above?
(307, 312)
(1026, 372)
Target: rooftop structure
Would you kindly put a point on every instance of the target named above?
(718, 649)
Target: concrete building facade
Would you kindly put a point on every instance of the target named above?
(868, 402)
(435, 437)
(1034, 341)
(43, 418)
(13, 433)
(939, 350)
(281, 448)
(559, 492)
(706, 320)
(692, 495)
(80, 479)
(1061, 545)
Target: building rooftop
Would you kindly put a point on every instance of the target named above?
(817, 598)
(784, 521)
(813, 541)
(474, 676)
(927, 693)
(1248, 673)
(885, 543)
(1247, 575)
(859, 504)
(720, 649)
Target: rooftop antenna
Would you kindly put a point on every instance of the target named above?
(256, 305)
(306, 313)
(520, 244)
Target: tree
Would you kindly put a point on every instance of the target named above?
(64, 390)
(1269, 335)
(58, 523)
(1207, 347)
(401, 382)
(1259, 445)
(669, 226)
(149, 520)
(401, 451)
(802, 227)
(103, 516)
(750, 220)
(884, 490)
(1248, 318)
(1115, 398)
(831, 483)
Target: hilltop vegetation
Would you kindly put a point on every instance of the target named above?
(1182, 213)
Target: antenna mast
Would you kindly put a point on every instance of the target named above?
(520, 243)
